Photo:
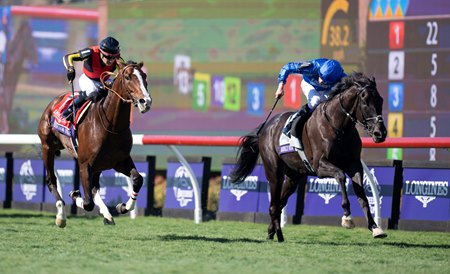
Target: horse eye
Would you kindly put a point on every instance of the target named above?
(127, 78)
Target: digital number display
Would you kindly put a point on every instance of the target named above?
(408, 52)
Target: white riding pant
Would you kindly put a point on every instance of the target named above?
(313, 96)
(87, 84)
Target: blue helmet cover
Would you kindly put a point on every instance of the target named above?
(331, 71)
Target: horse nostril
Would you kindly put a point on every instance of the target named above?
(142, 101)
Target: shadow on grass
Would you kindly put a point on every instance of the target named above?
(409, 245)
(393, 244)
(25, 216)
(173, 237)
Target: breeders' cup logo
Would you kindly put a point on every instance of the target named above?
(368, 190)
(27, 180)
(426, 191)
(242, 188)
(182, 187)
(326, 188)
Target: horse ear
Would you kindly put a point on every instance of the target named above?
(120, 63)
(141, 64)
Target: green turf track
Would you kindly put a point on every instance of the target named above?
(30, 243)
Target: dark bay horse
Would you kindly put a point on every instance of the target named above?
(331, 143)
(104, 139)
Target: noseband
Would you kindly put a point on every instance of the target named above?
(364, 122)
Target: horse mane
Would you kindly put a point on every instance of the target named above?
(350, 80)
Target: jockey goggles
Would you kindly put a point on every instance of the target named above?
(110, 56)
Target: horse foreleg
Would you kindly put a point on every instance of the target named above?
(86, 176)
(107, 217)
(327, 169)
(357, 180)
(138, 181)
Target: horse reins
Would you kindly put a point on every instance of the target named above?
(118, 95)
(110, 89)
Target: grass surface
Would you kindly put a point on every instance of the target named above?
(31, 243)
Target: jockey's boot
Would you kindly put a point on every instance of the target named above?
(78, 102)
(287, 129)
(99, 94)
(302, 115)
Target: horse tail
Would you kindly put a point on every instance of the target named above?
(248, 156)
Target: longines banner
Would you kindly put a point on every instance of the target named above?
(65, 170)
(2, 179)
(114, 188)
(241, 197)
(252, 195)
(28, 181)
(179, 190)
(425, 194)
(323, 196)
(264, 198)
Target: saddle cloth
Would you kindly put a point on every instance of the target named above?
(62, 125)
(285, 146)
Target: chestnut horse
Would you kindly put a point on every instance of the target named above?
(104, 142)
(331, 143)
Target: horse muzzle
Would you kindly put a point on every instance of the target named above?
(144, 104)
(379, 133)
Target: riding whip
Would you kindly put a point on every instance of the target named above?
(263, 124)
(73, 103)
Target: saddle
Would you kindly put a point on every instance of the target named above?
(292, 143)
(68, 127)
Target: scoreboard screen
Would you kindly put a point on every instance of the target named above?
(408, 52)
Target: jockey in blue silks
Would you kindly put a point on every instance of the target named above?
(319, 77)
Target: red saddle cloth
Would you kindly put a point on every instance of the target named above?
(62, 125)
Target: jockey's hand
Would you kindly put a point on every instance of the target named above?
(71, 74)
(280, 91)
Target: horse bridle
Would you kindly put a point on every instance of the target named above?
(132, 100)
(364, 124)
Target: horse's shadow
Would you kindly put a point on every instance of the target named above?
(174, 237)
(398, 244)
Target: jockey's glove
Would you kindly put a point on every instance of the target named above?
(71, 74)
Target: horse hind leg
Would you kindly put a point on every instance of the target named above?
(48, 156)
(275, 177)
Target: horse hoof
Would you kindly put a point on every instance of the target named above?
(121, 208)
(280, 236)
(108, 222)
(60, 223)
(378, 233)
(270, 236)
(347, 222)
